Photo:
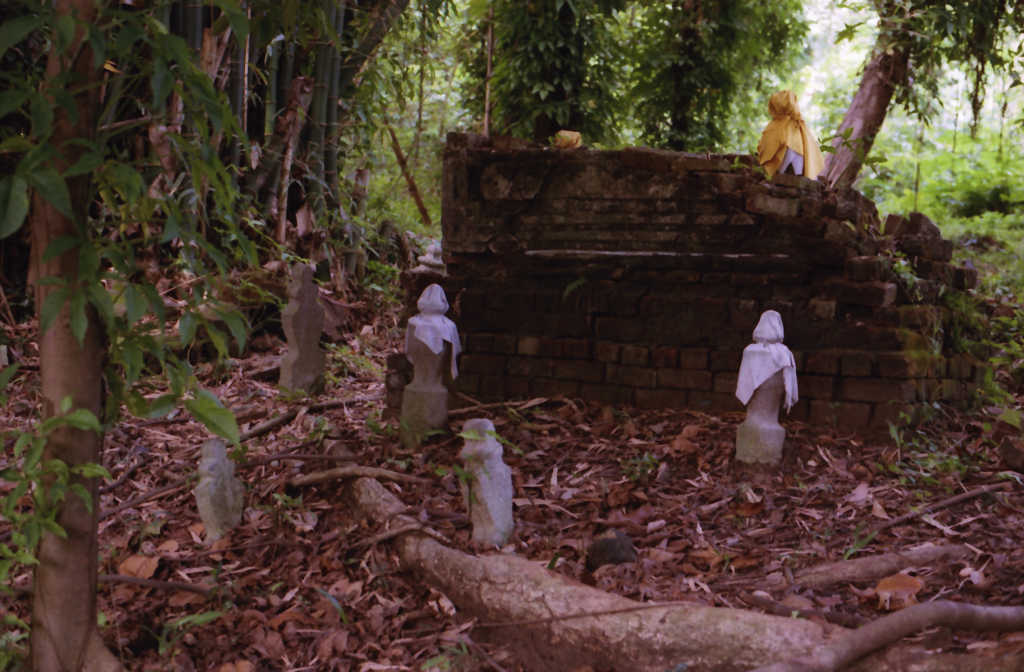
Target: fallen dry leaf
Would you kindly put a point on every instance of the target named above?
(899, 587)
(139, 566)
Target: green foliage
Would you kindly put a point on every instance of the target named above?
(557, 65)
(640, 468)
(702, 71)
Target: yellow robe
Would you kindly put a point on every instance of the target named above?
(787, 130)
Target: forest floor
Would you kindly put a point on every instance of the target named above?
(296, 586)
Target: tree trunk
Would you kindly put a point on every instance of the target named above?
(354, 63)
(866, 114)
(64, 635)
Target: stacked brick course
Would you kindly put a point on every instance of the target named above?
(637, 277)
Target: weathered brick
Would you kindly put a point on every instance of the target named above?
(715, 402)
(578, 348)
(607, 352)
(546, 387)
(397, 380)
(797, 182)
(467, 383)
(858, 364)
(664, 358)
(769, 205)
(481, 343)
(914, 225)
(685, 379)
(952, 390)
(688, 163)
(394, 399)
(516, 387)
(896, 414)
(798, 412)
(548, 302)
(646, 158)
(928, 390)
(587, 372)
(845, 415)
(817, 387)
(660, 398)
(634, 376)
(619, 329)
(529, 366)
(634, 355)
(550, 347)
(867, 269)
(725, 382)
(566, 324)
(904, 365)
(617, 395)
(725, 360)
(529, 345)
(505, 345)
(826, 363)
(964, 278)
(880, 391)
(480, 363)
(873, 294)
(938, 249)
(693, 359)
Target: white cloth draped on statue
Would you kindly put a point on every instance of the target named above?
(432, 327)
(764, 357)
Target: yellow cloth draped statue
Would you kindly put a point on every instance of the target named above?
(787, 130)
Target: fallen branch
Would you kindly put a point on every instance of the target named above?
(931, 508)
(780, 609)
(485, 407)
(285, 418)
(413, 189)
(153, 583)
(356, 472)
(874, 567)
(585, 626)
(855, 645)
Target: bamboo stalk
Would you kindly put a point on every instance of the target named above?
(236, 98)
(319, 113)
(487, 87)
(331, 153)
(270, 101)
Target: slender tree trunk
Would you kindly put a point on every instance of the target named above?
(64, 635)
(318, 130)
(331, 153)
(350, 68)
(866, 114)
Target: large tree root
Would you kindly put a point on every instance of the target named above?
(551, 622)
(875, 567)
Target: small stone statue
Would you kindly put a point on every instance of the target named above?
(430, 340)
(219, 495)
(767, 380)
(489, 494)
(787, 141)
(302, 367)
(431, 261)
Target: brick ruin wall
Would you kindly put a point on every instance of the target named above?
(636, 277)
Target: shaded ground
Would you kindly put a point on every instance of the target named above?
(296, 587)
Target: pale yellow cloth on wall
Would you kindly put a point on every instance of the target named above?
(787, 130)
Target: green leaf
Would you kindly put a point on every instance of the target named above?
(162, 406)
(1011, 416)
(84, 494)
(162, 81)
(848, 32)
(11, 101)
(91, 470)
(77, 318)
(187, 324)
(7, 375)
(41, 112)
(52, 188)
(51, 308)
(65, 28)
(134, 304)
(237, 18)
(156, 303)
(13, 204)
(100, 297)
(88, 163)
(59, 246)
(82, 418)
(207, 409)
(15, 30)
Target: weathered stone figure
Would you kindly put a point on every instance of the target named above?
(767, 380)
(430, 262)
(489, 494)
(302, 367)
(430, 341)
(219, 495)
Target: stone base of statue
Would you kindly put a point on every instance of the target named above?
(759, 438)
(422, 410)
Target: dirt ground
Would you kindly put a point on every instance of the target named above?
(296, 586)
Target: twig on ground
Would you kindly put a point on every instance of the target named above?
(779, 609)
(285, 418)
(173, 485)
(856, 644)
(153, 583)
(931, 508)
(484, 407)
(235, 549)
(125, 476)
(357, 472)
(465, 639)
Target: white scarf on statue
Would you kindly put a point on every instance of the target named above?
(764, 357)
(432, 327)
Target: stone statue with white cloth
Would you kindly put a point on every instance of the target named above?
(767, 380)
(430, 340)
